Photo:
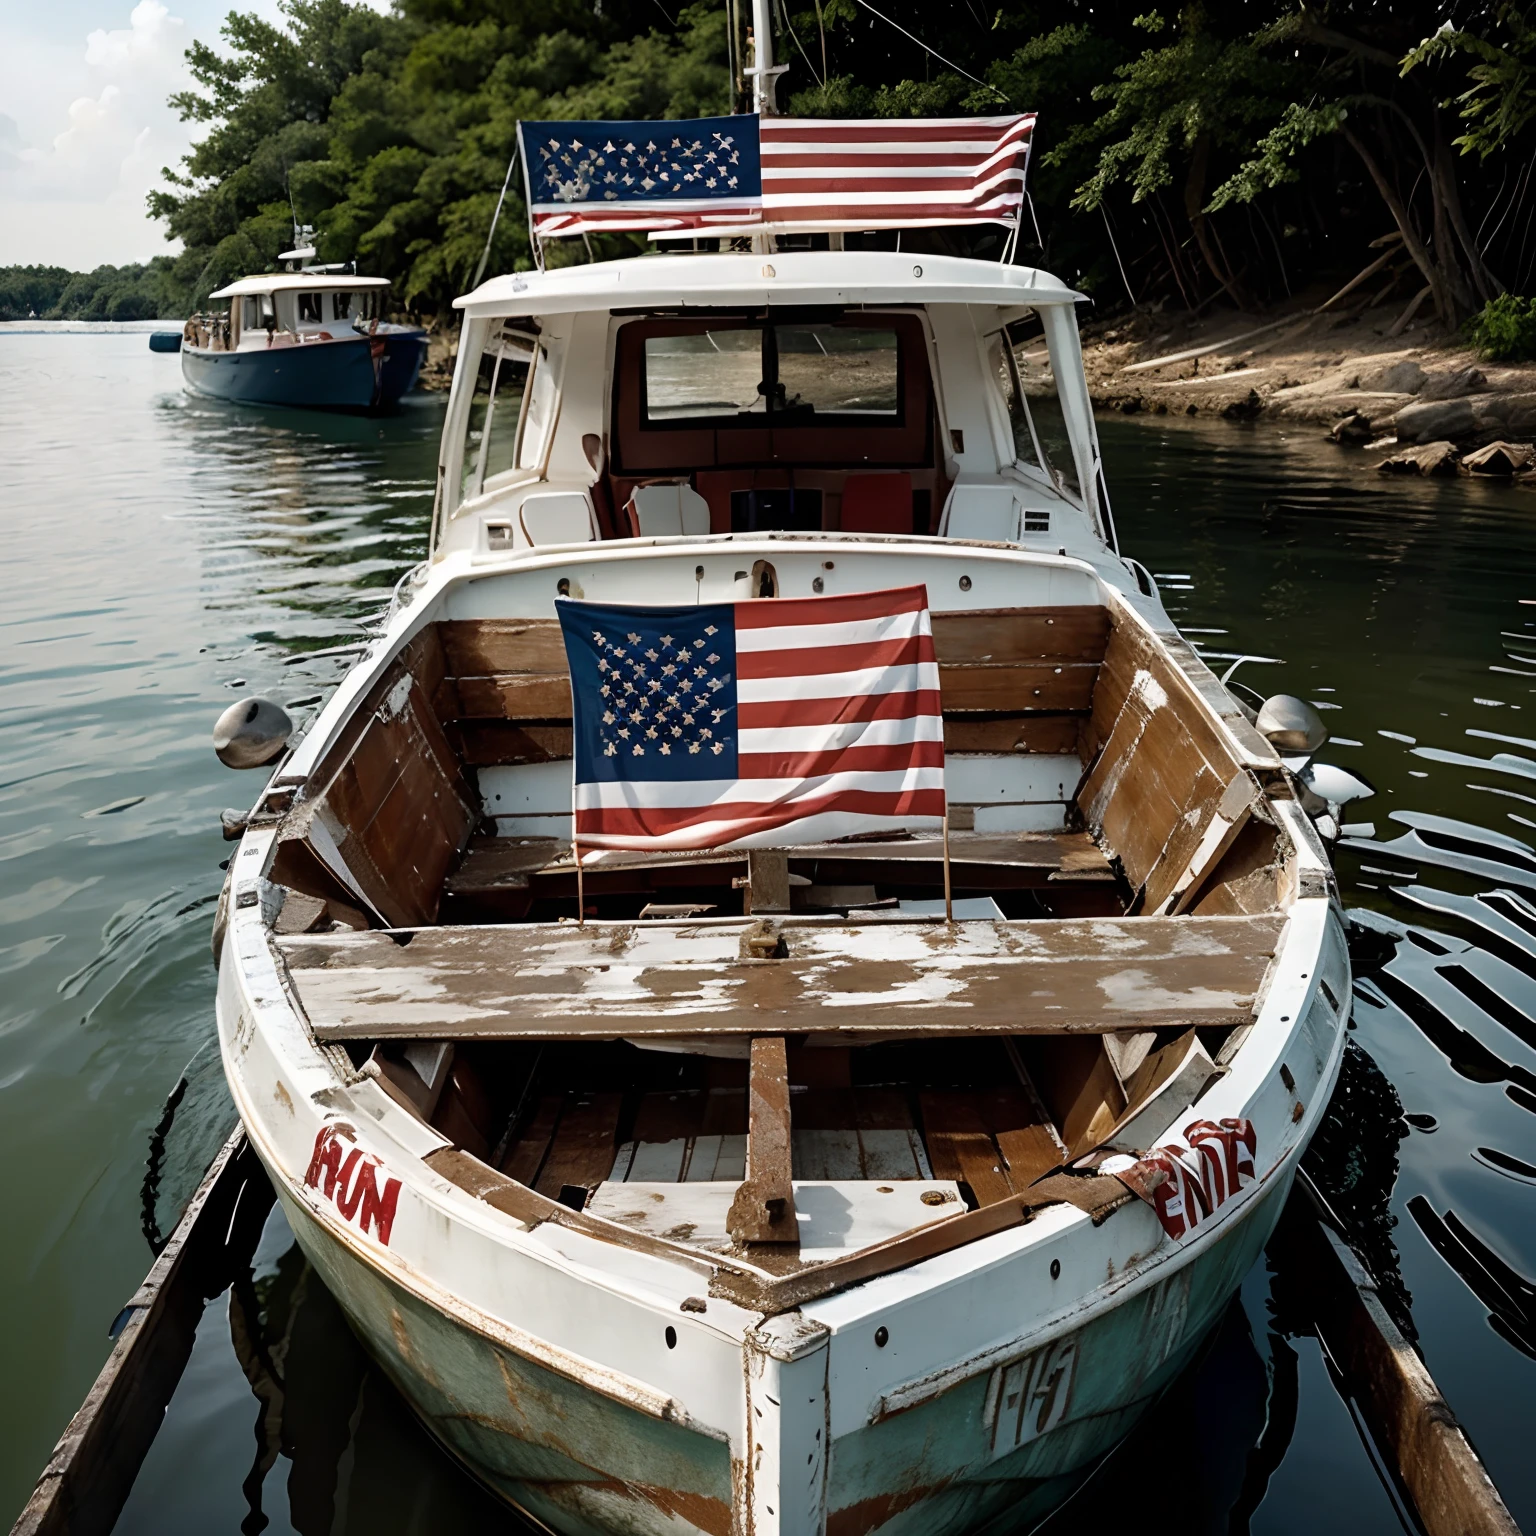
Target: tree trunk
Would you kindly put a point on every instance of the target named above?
(1445, 304)
(1487, 285)
(1194, 210)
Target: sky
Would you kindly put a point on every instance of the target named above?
(84, 124)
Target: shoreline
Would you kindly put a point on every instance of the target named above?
(1419, 401)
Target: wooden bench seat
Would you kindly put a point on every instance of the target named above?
(499, 878)
(861, 983)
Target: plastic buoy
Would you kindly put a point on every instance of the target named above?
(251, 733)
(1291, 724)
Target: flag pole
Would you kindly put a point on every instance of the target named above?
(949, 905)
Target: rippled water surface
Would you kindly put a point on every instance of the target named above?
(165, 556)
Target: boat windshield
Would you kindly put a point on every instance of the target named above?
(496, 412)
(1019, 357)
(792, 373)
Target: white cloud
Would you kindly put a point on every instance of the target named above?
(72, 190)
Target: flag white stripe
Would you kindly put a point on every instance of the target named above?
(846, 733)
(805, 637)
(685, 794)
(909, 677)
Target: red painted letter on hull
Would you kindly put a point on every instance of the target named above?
(349, 1177)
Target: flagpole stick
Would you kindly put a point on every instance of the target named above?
(949, 905)
(581, 895)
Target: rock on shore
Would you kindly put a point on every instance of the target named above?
(1344, 373)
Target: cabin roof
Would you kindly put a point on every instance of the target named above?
(782, 277)
(277, 282)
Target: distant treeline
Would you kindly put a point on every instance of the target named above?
(141, 291)
(1187, 151)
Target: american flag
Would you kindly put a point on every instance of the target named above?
(744, 174)
(754, 724)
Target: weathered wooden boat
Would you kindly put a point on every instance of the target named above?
(510, 1142)
(313, 339)
(871, 1185)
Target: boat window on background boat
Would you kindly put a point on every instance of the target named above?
(798, 374)
(310, 309)
(496, 411)
(341, 306)
(1039, 427)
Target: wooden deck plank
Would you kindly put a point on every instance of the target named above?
(583, 1146)
(960, 1145)
(855, 982)
(763, 1210)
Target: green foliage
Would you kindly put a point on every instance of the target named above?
(1500, 103)
(138, 292)
(391, 133)
(1505, 330)
(1198, 93)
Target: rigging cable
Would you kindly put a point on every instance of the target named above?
(948, 64)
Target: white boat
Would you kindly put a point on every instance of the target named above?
(742, 1191)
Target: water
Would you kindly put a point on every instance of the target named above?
(166, 556)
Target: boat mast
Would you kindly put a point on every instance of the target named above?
(765, 73)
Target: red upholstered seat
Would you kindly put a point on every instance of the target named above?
(877, 504)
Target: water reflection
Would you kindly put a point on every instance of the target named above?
(1406, 616)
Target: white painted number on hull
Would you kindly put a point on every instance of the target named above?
(1031, 1396)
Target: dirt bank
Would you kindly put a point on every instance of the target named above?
(1397, 395)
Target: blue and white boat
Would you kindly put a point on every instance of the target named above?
(314, 339)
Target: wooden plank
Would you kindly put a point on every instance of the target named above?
(1226, 820)
(960, 1146)
(1028, 1145)
(499, 743)
(87, 1479)
(479, 647)
(763, 1210)
(1050, 686)
(584, 1144)
(526, 1155)
(1051, 735)
(1070, 633)
(515, 696)
(1077, 632)
(1078, 1082)
(1408, 1417)
(608, 981)
(998, 860)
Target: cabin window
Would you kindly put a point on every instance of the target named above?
(794, 374)
(1040, 437)
(256, 312)
(496, 411)
(311, 309)
(342, 305)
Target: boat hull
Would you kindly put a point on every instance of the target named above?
(355, 373)
(587, 1465)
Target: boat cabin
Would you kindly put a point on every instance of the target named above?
(763, 400)
(290, 308)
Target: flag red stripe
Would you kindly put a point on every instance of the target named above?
(791, 612)
(876, 706)
(856, 759)
(656, 821)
